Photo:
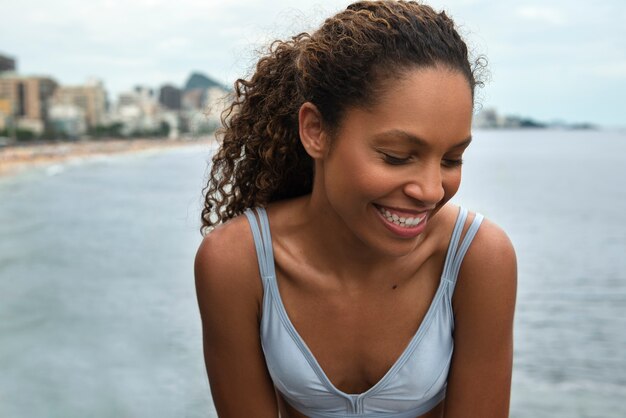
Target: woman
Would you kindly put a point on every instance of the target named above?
(352, 289)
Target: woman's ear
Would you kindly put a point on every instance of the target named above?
(311, 129)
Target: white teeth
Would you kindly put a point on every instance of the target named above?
(401, 221)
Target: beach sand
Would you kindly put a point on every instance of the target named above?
(16, 158)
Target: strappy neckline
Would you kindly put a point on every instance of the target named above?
(317, 368)
(268, 274)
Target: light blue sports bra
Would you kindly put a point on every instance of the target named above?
(413, 385)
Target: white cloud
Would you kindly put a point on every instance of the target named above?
(542, 14)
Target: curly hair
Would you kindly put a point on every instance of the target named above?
(345, 63)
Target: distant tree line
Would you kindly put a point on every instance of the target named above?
(114, 130)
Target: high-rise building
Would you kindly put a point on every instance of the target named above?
(170, 97)
(6, 63)
(90, 97)
(27, 99)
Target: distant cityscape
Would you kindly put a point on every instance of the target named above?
(39, 108)
(490, 119)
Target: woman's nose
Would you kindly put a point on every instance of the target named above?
(426, 185)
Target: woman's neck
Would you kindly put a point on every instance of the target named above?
(330, 245)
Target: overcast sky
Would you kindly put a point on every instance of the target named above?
(550, 60)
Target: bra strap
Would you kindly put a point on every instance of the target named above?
(456, 252)
(262, 241)
(454, 242)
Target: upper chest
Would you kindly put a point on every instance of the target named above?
(356, 335)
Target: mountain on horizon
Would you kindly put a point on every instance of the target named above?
(198, 80)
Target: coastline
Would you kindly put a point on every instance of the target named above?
(16, 158)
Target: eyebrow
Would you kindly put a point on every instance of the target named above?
(395, 133)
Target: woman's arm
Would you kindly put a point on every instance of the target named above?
(229, 293)
(479, 383)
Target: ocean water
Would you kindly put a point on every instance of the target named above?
(561, 198)
(98, 315)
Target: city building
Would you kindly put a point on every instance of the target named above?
(202, 108)
(24, 101)
(90, 97)
(68, 120)
(6, 63)
(193, 99)
(5, 114)
(138, 111)
(217, 100)
(170, 97)
(487, 118)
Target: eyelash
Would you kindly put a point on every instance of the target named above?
(453, 163)
(390, 159)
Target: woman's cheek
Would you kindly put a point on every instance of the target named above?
(452, 183)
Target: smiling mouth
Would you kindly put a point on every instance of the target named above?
(402, 221)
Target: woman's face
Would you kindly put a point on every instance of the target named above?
(392, 166)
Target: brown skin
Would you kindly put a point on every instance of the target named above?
(355, 292)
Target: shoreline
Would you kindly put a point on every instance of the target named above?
(16, 158)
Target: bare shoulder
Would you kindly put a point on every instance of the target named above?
(230, 293)
(490, 262)
(226, 266)
(487, 282)
(484, 303)
(225, 239)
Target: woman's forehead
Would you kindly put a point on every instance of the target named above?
(424, 103)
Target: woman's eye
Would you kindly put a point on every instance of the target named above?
(451, 162)
(393, 160)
